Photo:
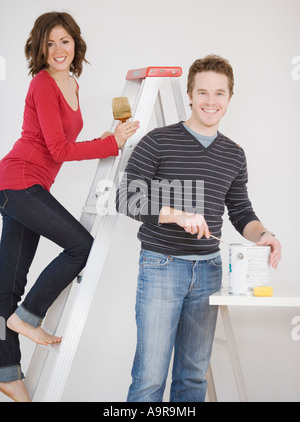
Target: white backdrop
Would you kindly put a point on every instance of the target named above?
(261, 40)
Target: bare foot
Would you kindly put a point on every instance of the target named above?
(36, 334)
(15, 390)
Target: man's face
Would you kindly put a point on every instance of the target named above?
(209, 99)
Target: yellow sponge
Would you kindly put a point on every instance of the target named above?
(263, 291)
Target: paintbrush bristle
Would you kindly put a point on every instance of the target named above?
(121, 108)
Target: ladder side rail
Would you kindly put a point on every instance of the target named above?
(78, 314)
(146, 102)
(35, 370)
(178, 99)
(40, 353)
(160, 117)
(102, 172)
(133, 90)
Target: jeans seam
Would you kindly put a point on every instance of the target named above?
(193, 282)
(21, 243)
(6, 200)
(14, 279)
(179, 357)
(139, 351)
(19, 372)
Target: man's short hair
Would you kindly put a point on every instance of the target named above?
(211, 63)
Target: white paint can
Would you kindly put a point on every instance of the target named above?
(248, 268)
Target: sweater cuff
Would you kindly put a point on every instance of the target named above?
(113, 142)
(150, 219)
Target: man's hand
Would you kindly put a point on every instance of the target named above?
(268, 239)
(253, 231)
(191, 223)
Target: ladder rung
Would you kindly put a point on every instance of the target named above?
(153, 71)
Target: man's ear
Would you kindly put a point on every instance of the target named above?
(190, 98)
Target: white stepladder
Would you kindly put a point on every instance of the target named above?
(143, 89)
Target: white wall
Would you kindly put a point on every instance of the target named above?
(261, 39)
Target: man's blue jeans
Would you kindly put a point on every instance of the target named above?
(27, 214)
(173, 311)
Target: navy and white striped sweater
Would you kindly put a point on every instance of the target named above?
(169, 158)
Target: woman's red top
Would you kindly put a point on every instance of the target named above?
(50, 128)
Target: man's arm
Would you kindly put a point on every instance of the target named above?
(244, 219)
(132, 197)
(256, 232)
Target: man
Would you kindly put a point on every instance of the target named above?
(178, 181)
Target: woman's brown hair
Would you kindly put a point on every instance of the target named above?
(37, 43)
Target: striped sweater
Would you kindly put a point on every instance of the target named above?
(170, 167)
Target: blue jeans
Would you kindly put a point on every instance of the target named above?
(173, 311)
(28, 214)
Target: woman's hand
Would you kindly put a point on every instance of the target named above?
(106, 134)
(123, 131)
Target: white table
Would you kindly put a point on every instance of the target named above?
(224, 299)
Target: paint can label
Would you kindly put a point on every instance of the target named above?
(248, 268)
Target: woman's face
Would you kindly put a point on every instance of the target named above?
(61, 50)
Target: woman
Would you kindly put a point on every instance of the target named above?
(52, 122)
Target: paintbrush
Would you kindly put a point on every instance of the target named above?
(121, 109)
(220, 240)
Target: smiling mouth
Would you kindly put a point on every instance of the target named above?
(60, 59)
(209, 110)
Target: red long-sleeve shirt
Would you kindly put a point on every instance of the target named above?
(50, 129)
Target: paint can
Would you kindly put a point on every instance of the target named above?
(248, 268)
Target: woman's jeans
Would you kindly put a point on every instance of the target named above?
(173, 311)
(28, 214)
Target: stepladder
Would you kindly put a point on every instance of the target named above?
(145, 89)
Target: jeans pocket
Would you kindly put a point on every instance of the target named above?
(216, 262)
(3, 199)
(153, 260)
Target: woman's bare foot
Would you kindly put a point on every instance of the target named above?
(36, 334)
(15, 390)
